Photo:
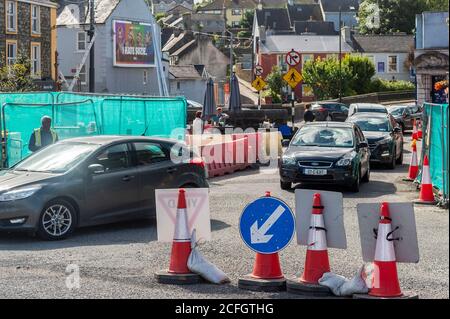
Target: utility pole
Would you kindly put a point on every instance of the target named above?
(92, 51)
(340, 54)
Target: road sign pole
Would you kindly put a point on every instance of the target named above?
(293, 109)
(259, 100)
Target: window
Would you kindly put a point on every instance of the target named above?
(35, 59)
(81, 41)
(11, 16)
(392, 64)
(282, 63)
(35, 19)
(114, 158)
(381, 67)
(236, 12)
(82, 75)
(149, 153)
(178, 85)
(235, 24)
(11, 50)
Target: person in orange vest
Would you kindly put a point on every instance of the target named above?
(43, 136)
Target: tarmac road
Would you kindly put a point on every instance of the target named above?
(118, 261)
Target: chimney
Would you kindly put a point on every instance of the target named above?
(260, 5)
(346, 34)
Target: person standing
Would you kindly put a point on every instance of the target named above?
(197, 125)
(309, 115)
(43, 136)
(220, 117)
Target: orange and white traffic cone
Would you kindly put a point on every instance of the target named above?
(414, 134)
(179, 272)
(426, 188)
(413, 165)
(419, 129)
(385, 279)
(267, 274)
(317, 262)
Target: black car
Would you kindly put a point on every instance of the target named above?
(384, 136)
(326, 153)
(366, 108)
(330, 111)
(92, 180)
(404, 115)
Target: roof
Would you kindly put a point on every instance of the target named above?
(185, 47)
(330, 124)
(106, 139)
(47, 3)
(345, 5)
(275, 18)
(368, 115)
(316, 27)
(304, 43)
(229, 4)
(305, 12)
(383, 43)
(185, 72)
(102, 9)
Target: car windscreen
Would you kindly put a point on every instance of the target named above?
(324, 137)
(372, 124)
(397, 111)
(56, 158)
(371, 110)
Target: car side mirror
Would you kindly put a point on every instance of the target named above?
(363, 145)
(96, 169)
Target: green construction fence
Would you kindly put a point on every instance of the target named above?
(435, 145)
(77, 115)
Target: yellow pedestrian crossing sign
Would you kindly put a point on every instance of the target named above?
(293, 77)
(259, 83)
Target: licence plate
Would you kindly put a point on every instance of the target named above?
(316, 172)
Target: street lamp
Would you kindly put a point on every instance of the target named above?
(340, 55)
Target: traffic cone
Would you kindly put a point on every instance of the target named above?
(266, 275)
(419, 129)
(414, 134)
(317, 262)
(179, 272)
(426, 188)
(413, 165)
(385, 279)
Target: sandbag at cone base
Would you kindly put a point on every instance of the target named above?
(316, 265)
(267, 266)
(385, 283)
(179, 257)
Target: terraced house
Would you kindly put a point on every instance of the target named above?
(28, 27)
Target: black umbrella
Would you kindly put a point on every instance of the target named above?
(234, 104)
(209, 103)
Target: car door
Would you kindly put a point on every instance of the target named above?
(156, 171)
(113, 194)
(364, 152)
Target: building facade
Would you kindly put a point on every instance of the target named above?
(28, 28)
(231, 10)
(431, 56)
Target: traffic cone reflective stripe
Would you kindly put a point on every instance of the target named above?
(316, 263)
(414, 165)
(385, 279)
(426, 188)
(181, 246)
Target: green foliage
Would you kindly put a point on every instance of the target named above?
(379, 85)
(324, 76)
(17, 77)
(247, 20)
(362, 71)
(244, 34)
(395, 15)
(275, 83)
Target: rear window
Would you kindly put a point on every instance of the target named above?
(371, 110)
(372, 124)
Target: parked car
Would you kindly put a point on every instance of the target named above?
(90, 181)
(193, 104)
(326, 153)
(405, 114)
(330, 111)
(384, 136)
(366, 108)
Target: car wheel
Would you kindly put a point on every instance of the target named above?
(366, 177)
(400, 159)
(57, 221)
(356, 184)
(285, 185)
(391, 165)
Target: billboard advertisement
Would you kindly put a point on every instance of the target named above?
(133, 44)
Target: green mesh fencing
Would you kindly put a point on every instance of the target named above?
(76, 115)
(435, 144)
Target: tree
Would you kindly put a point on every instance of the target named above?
(362, 71)
(17, 77)
(323, 76)
(247, 20)
(275, 83)
(390, 16)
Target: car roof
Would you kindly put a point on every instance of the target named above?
(330, 124)
(369, 106)
(326, 103)
(107, 139)
(369, 114)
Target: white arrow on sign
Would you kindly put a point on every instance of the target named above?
(258, 235)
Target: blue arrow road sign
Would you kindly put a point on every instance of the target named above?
(267, 225)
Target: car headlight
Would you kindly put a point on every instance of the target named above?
(19, 193)
(287, 160)
(347, 159)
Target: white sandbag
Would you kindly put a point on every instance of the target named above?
(199, 265)
(341, 286)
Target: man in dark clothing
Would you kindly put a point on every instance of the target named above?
(43, 136)
(309, 115)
